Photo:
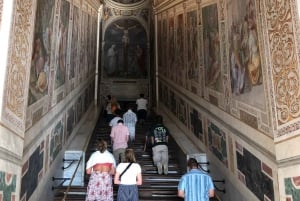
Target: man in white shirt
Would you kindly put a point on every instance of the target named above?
(115, 120)
(141, 108)
(130, 120)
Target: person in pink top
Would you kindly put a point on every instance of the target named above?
(119, 137)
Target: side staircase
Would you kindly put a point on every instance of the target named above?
(154, 187)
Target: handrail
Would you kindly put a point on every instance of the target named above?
(70, 163)
(69, 186)
(80, 159)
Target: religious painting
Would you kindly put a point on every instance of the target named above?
(171, 48)
(106, 13)
(74, 44)
(159, 47)
(179, 52)
(127, 1)
(192, 47)
(244, 53)
(1, 8)
(41, 51)
(211, 47)
(62, 42)
(164, 48)
(125, 50)
(83, 45)
(145, 14)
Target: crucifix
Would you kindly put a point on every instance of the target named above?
(125, 41)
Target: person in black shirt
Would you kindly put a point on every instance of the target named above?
(159, 139)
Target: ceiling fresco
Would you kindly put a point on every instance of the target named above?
(127, 1)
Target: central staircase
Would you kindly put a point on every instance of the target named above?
(154, 187)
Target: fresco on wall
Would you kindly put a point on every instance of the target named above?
(192, 47)
(106, 13)
(125, 50)
(62, 41)
(74, 44)
(171, 48)
(127, 1)
(292, 188)
(159, 47)
(83, 45)
(217, 142)
(41, 51)
(245, 60)
(7, 185)
(211, 49)
(255, 174)
(179, 53)
(145, 14)
(32, 172)
(56, 141)
(1, 8)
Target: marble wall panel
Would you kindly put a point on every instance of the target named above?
(292, 188)
(32, 172)
(71, 121)
(56, 140)
(7, 186)
(217, 142)
(255, 174)
(196, 124)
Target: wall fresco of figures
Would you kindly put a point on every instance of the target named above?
(74, 61)
(1, 8)
(256, 174)
(211, 47)
(126, 1)
(192, 47)
(64, 39)
(62, 44)
(125, 50)
(41, 54)
(244, 54)
(229, 79)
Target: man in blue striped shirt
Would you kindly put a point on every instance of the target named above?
(195, 185)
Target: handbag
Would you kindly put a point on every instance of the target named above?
(124, 171)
